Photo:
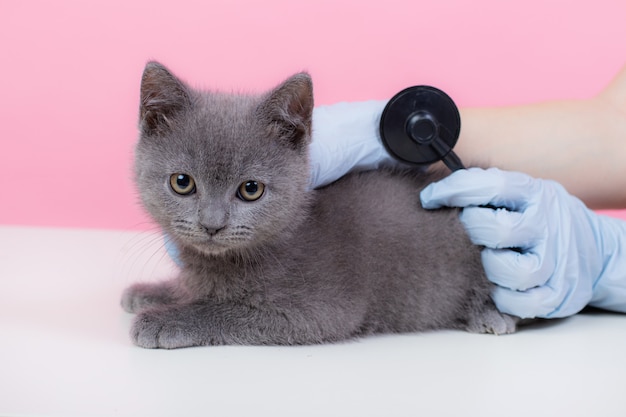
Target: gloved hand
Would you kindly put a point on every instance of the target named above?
(549, 255)
(346, 138)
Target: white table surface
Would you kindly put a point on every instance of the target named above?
(64, 351)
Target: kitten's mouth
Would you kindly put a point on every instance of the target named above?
(209, 244)
(207, 248)
(212, 242)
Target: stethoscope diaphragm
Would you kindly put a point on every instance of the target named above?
(420, 125)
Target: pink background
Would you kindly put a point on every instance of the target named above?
(70, 74)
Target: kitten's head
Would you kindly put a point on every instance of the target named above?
(223, 172)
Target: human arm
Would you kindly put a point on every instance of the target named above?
(549, 255)
(579, 143)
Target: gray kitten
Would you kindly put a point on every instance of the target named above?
(267, 261)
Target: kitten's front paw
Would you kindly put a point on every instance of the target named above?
(142, 296)
(134, 298)
(164, 329)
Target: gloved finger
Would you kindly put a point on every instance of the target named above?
(542, 302)
(534, 303)
(517, 271)
(500, 228)
(476, 187)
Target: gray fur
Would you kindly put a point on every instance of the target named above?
(357, 257)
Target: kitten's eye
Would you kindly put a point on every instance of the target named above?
(182, 184)
(250, 190)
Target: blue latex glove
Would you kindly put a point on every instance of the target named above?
(549, 255)
(345, 139)
(172, 250)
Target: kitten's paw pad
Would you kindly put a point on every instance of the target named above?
(155, 329)
(493, 322)
(141, 296)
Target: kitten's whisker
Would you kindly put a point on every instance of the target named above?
(143, 248)
(138, 240)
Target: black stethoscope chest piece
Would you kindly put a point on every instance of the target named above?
(420, 125)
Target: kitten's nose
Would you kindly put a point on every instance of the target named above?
(212, 230)
(213, 217)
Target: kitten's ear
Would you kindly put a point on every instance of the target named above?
(288, 110)
(162, 97)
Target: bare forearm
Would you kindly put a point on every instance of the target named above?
(581, 144)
